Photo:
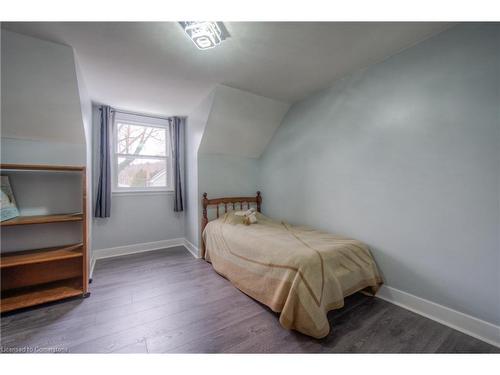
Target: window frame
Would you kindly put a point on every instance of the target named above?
(151, 122)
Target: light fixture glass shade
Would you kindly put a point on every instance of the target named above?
(205, 34)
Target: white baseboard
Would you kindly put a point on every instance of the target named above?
(467, 324)
(139, 248)
(192, 249)
(136, 248)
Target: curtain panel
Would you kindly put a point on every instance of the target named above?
(177, 131)
(103, 198)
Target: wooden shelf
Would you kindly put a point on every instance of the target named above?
(42, 219)
(33, 277)
(35, 295)
(37, 167)
(20, 258)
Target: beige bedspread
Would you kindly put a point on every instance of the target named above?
(296, 271)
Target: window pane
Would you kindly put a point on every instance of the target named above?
(141, 140)
(141, 173)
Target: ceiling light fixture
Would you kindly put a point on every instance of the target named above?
(205, 34)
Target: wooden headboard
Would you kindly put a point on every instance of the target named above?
(232, 202)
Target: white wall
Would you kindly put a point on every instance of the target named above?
(405, 156)
(241, 123)
(40, 102)
(225, 135)
(42, 123)
(41, 193)
(195, 127)
(25, 151)
(86, 108)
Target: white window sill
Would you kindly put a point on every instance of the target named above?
(143, 192)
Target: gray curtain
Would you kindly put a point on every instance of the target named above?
(103, 200)
(176, 130)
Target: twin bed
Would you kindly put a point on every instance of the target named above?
(296, 271)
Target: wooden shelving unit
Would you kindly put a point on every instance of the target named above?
(41, 219)
(50, 254)
(42, 168)
(38, 276)
(39, 294)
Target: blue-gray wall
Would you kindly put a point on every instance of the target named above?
(136, 218)
(405, 155)
(227, 175)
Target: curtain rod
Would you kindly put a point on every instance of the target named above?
(140, 114)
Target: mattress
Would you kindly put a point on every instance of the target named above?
(297, 271)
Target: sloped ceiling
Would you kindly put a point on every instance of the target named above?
(240, 123)
(152, 67)
(40, 97)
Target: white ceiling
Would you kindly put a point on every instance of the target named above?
(152, 67)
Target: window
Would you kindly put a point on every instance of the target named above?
(142, 160)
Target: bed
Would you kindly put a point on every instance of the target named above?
(298, 272)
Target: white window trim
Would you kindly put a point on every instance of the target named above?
(147, 192)
(140, 121)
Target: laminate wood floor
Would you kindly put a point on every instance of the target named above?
(167, 301)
